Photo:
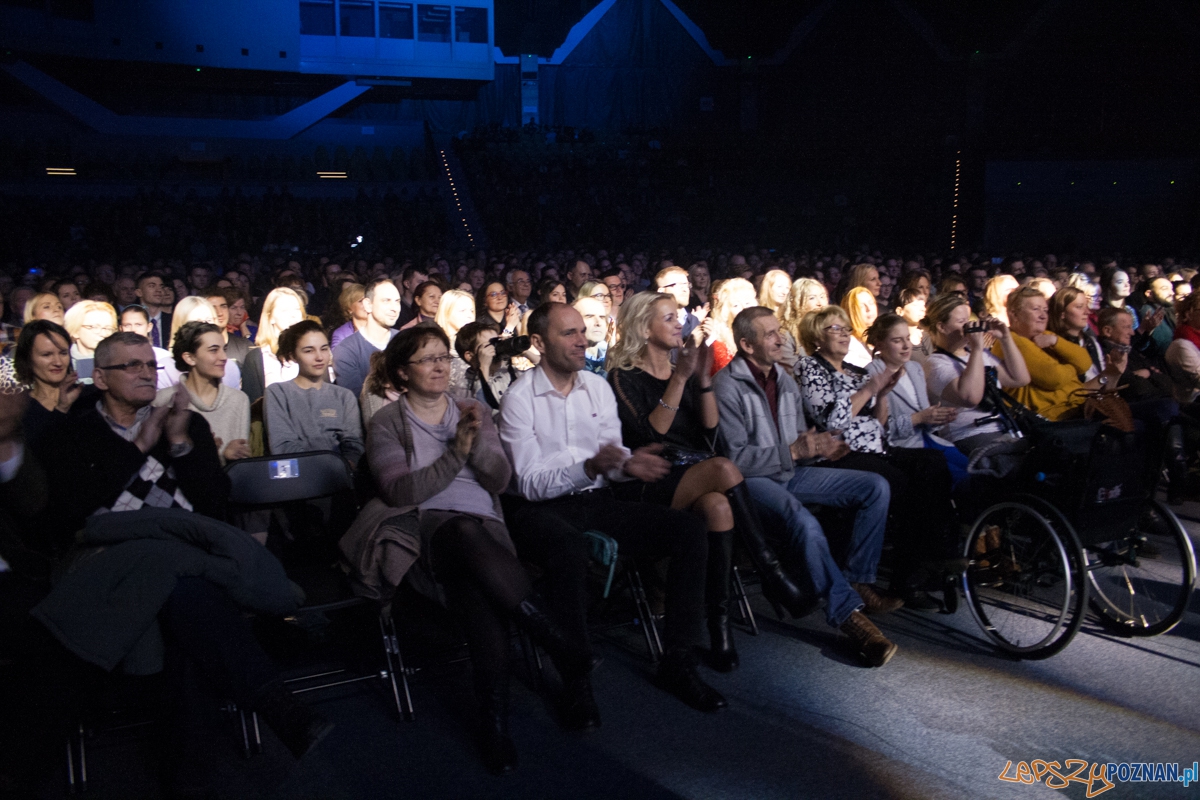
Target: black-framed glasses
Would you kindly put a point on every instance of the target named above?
(134, 367)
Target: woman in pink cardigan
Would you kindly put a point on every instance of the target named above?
(439, 468)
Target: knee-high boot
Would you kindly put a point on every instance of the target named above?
(778, 587)
(722, 655)
(495, 745)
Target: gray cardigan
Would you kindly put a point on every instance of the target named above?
(747, 435)
(902, 404)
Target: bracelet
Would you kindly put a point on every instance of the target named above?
(667, 407)
(704, 390)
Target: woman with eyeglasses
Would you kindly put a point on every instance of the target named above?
(492, 305)
(42, 362)
(853, 403)
(89, 323)
(439, 467)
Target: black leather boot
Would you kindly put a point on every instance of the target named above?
(570, 659)
(722, 655)
(777, 586)
(677, 674)
(497, 748)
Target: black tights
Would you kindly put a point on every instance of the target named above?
(484, 583)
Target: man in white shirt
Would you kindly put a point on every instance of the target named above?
(560, 428)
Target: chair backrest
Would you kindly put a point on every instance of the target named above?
(271, 480)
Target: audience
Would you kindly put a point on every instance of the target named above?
(350, 303)
(804, 296)
(44, 305)
(729, 298)
(427, 298)
(42, 363)
(456, 309)
(910, 416)
(89, 323)
(562, 488)
(861, 312)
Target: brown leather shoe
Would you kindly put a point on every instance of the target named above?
(872, 646)
(874, 602)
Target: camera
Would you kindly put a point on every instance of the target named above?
(513, 346)
(974, 327)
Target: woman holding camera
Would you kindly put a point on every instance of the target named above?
(674, 406)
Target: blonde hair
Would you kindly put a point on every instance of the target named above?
(764, 292)
(633, 327)
(812, 327)
(183, 312)
(268, 333)
(1042, 284)
(1018, 298)
(32, 305)
(857, 276)
(73, 318)
(351, 294)
(450, 300)
(665, 271)
(937, 311)
(1058, 306)
(853, 304)
(721, 295)
(997, 291)
(792, 312)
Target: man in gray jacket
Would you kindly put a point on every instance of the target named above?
(763, 432)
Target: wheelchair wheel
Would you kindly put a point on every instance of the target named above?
(1140, 584)
(1025, 585)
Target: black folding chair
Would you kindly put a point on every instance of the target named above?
(272, 482)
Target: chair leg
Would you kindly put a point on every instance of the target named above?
(70, 763)
(395, 665)
(258, 748)
(83, 779)
(241, 712)
(533, 660)
(649, 627)
(743, 602)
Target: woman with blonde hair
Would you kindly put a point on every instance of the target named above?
(674, 406)
(44, 305)
(88, 322)
(996, 293)
(196, 309)
(776, 285)
(805, 296)
(456, 309)
(350, 301)
(282, 309)
(861, 312)
(728, 298)
(865, 276)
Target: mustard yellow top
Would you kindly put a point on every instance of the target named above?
(1054, 376)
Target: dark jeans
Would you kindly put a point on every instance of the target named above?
(550, 534)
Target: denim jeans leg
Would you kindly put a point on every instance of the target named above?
(806, 542)
(843, 488)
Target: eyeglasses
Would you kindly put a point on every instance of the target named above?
(522, 282)
(99, 328)
(837, 329)
(134, 367)
(604, 296)
(494, 295)
(673, 285)
(431, 360)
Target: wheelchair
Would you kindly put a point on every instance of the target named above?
(1076, 525)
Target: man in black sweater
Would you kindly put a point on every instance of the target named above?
(114, 453)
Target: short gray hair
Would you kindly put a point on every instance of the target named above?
(743, 324)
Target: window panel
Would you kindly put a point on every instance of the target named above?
(358, 18)
(316, 18)
(470, 25)
(396, 20)
(433, 24)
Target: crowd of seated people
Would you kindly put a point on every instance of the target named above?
(690, 406)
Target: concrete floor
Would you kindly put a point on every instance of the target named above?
(940, 721)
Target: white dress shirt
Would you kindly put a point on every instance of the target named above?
(548, 435)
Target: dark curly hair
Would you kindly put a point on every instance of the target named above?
(289, 340)
(187, 340)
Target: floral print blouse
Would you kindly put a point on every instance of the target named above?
(827, 394)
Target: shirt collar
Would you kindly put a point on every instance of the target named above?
(130, 433)
(543, 386)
